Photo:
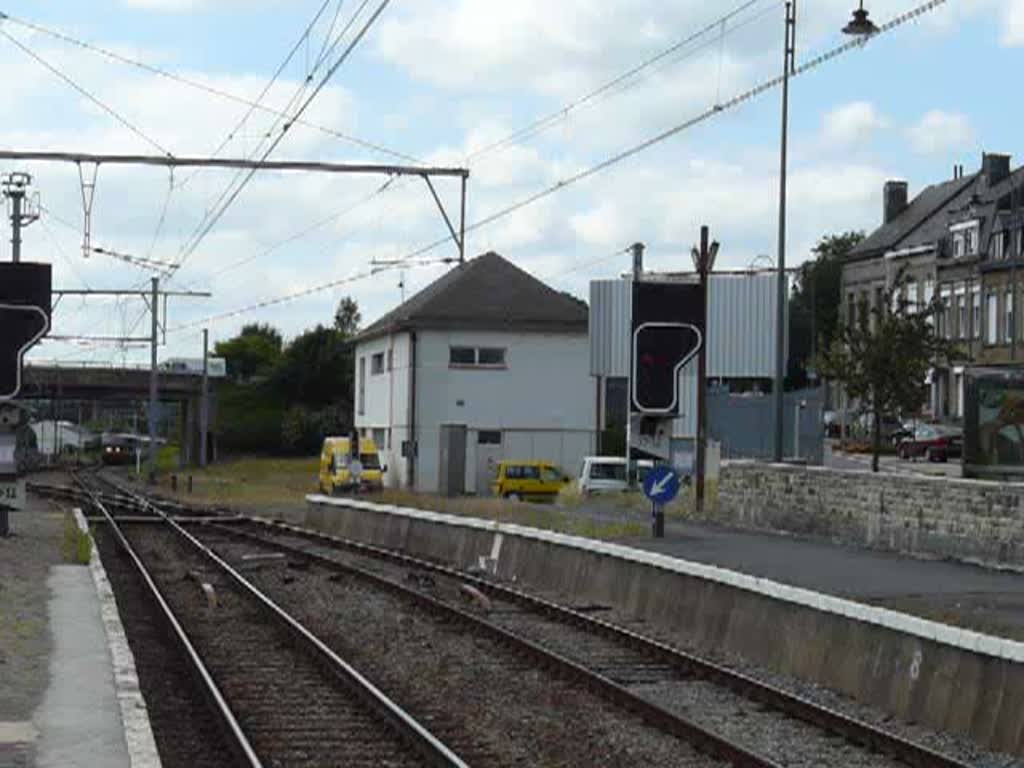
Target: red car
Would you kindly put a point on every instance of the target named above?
(932, 441)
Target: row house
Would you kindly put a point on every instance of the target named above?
(963, 241)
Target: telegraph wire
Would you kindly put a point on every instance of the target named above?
(553, 118)
(91, 97)
(211, 90)
(280, 137)
(619, 157)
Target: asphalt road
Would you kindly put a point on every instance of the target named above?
(892, 464)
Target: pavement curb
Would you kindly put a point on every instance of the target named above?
(138, 735)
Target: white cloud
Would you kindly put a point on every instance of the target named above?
(852, 123)
(1013, 29)
(939, 132)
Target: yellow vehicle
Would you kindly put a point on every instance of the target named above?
(528, 480)
(340, 472)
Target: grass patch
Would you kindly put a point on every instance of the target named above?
(75, 544)
(250, 481)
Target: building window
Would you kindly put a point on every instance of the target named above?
(1008, 312)
(473, 357)
(961, 316)
(958, 245)
(976, 312)
(1020, 242)
(490, 356)
(380, 436)
(992, 312)
(488, 437)
(362, 386)
(391, 359)
(462, 356)
(970, 241)
(377, 364)
(998, 251)
(946, 315)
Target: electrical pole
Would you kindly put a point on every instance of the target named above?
(704, 263)
(788, 66)
(15, 186)
(204, 401)
(638, 273)
(154, 339)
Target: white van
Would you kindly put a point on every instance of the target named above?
(607, 474)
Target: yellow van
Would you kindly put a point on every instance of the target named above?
(528, 480)
(337, 465)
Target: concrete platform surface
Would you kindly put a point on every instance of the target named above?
(79, 720)
(971, 596)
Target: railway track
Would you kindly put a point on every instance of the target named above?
(280, 695)
(724, 714)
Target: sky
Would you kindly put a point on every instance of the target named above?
(440, 83)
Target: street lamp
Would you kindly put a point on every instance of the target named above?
(858, 25)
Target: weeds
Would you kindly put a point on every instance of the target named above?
(76, 544)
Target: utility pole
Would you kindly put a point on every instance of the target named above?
(154, 340)
(15, 186)
(788, 66)
(704, 263)
(204, 401)
(638, 273)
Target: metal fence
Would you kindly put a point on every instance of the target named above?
(745, 425)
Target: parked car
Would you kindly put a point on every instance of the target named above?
(530, 480)
(341, 471)
(889, 426)
(934, 442)
(608, 474)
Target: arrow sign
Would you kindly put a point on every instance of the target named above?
(24, 318)
(661, 485)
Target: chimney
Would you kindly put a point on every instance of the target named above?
(894, 200)
(994, 167)
(638, 260)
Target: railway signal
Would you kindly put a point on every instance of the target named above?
(24, 318)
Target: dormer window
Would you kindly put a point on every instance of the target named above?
(965, 239)
(998, 249)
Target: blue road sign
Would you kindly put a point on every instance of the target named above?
(661, 485)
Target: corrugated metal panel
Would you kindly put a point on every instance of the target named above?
(741, 326)
(611, 305)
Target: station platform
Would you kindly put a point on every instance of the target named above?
(60, 696)
(966, 595)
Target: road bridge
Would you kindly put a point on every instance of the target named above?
(111, 383)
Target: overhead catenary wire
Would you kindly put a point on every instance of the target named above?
(209, 89)
(621, 156)
(280, 137)
(86, 93)
(556, 116)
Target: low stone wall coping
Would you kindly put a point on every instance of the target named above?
(966, 639)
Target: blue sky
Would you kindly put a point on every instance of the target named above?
(437, 81)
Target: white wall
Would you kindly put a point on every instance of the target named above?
(544, 401)
(387, 399)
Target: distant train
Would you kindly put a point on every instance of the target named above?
(216, 367)
(120, 448)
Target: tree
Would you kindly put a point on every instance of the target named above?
(347, 317)
(253, 352)
(883, 356)
(316, 369)
(814, 305)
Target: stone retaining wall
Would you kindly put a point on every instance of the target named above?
(970, 520)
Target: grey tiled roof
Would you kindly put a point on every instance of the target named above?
(486, 293)
(921, 210)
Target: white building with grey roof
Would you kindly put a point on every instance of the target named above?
(486, 363)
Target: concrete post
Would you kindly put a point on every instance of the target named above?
(204, 402)
(152, 377)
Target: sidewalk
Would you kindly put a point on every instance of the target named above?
(970, 596)
(58, 706)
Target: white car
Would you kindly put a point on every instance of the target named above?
(607, 474)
